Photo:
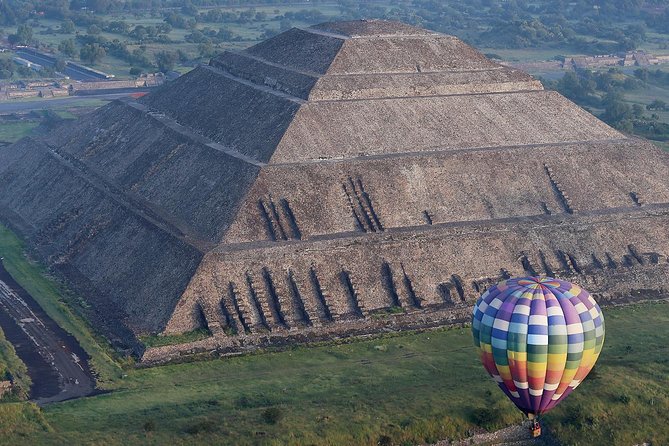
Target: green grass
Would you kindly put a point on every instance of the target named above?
(12, 131)
(49, 295)
(11, 363)
(21, 420)
(627, 400)
(411, 388)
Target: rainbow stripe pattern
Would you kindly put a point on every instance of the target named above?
(538, 338)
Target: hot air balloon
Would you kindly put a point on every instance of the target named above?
(538, 338)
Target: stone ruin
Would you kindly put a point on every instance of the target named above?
(344, 179)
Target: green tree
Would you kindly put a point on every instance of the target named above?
(67, 48)
(92, 53)
(67, 26)
(658, 105)
(94, 30)
(59, 65)
(206, 49)
(166, 61)
(23, 36)
(6, 68)
(182, 56)
(641, 73)
(616, 112)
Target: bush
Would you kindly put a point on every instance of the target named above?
(579, 418)
(624, 398)
(385, 440)
(200, 426)
(485, 416)
(272, 415)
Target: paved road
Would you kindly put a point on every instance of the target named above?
(18, 105)
(69, 373)
(73, 72)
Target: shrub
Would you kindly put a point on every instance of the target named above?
(200, 426)
(272, 415)
(624, 398)
(385, 440)
(484, 416)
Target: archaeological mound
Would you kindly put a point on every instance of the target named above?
(344, 179)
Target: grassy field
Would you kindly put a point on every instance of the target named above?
(397, 389)
(626, 401)
(10, 363)
(12, 131)
(50, 296)
(406, 389)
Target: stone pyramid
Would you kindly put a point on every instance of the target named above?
(343, 179)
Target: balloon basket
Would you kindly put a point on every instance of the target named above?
(535, 429)
(534, 426)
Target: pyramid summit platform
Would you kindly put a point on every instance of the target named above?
(344, 179)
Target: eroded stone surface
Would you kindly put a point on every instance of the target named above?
(340, 180)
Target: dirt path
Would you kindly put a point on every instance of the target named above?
(56, 363)
(510, 436)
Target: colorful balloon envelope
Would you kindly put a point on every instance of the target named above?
(538, 337)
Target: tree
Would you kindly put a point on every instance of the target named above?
(617, 113)
(182, 56)
(166, 61)
(206, 49)
(59, 65)
(67, 48)
(94, 30)
(23, 36)
(118, 26)
(92, 53)
(225, 34)
(641, 73)
(189, 9)
(658, 105)
(6, 68)
(67, 27)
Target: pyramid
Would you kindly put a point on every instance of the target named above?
(343, 179)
